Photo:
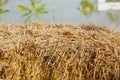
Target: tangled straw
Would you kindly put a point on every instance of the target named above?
(41, 51)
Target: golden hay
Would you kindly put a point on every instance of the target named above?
(41, 51)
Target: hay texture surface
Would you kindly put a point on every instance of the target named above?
(41, 51)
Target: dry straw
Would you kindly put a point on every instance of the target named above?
(41, 51)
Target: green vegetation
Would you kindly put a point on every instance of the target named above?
(35, 9)
(113, 16)
(87, 7)
(2, 10)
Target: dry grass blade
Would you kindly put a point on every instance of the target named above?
(41, 51)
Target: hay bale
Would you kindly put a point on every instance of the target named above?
(41, 51)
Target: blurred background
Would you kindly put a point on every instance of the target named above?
(76, 12)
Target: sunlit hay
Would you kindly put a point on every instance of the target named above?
(41, 51)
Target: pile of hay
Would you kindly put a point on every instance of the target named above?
(41, 51)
